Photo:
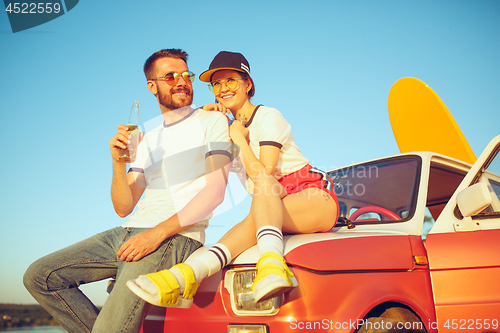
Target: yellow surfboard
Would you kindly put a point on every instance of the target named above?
(422, 122)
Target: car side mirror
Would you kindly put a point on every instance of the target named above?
(474, 199)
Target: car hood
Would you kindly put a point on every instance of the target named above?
(352, 251)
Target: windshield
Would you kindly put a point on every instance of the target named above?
(378, 192)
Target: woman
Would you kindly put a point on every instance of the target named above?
(288, 195)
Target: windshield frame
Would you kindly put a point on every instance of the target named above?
(477, 177)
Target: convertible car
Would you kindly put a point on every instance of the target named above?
(416, 249)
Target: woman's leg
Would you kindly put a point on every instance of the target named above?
(165, 287)
(308, 211)
(311, 210)
(236, 240)
(240, 237)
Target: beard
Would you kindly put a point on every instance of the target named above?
(165, 98)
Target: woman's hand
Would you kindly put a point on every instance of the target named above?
(216, 107)
(238, 132)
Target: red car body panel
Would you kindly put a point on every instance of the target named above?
(347, 254)
(465, 271)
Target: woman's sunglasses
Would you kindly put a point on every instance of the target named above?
(231, 83)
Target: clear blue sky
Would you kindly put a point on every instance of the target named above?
(326, 65)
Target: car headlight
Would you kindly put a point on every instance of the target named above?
(238, 283)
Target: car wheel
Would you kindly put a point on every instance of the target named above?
(392, 319)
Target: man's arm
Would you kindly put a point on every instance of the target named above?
(211, 196)
(126, 190)
(197, 210)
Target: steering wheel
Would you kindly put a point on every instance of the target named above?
(374, 209)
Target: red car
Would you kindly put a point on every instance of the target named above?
(417, 250)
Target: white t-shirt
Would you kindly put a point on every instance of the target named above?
(172, 158)
(267, 126)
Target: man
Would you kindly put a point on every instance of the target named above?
(182, 166)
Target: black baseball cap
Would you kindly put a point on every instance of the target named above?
(226, 60)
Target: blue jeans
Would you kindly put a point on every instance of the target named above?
(54, 279)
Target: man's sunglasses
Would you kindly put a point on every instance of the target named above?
(172, 77)
(231, 83)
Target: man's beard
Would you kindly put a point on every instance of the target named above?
(165, 99)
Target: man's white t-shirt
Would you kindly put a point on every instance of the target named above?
(172, 158)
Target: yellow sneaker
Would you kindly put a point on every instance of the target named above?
(168, 288)
(272, 279)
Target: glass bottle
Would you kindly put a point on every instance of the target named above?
(128, 155)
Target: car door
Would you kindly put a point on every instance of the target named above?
(464, 251)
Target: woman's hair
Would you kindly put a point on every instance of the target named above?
(247, 77)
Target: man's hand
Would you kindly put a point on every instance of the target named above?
(140, 245)
(120, 141)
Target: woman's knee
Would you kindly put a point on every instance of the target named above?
(262, 179)
(267, 186)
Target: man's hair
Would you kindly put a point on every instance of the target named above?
(165, 53)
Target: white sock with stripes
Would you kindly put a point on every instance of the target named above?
(210, 262)
(270, 239)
